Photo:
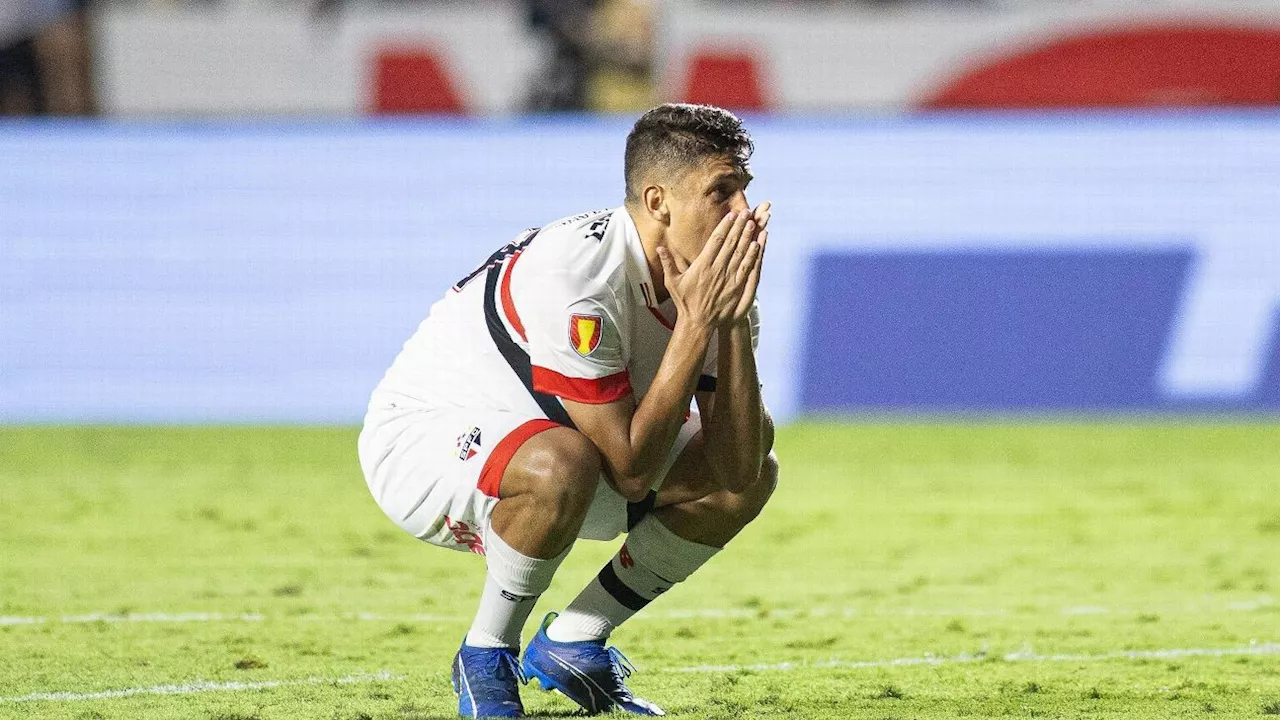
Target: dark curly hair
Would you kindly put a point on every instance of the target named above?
(676, 136)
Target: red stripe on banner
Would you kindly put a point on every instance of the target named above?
(1161, 65)
(496, 465)
(592, 392)
(415, 79)
(509, 305)
(731, 79)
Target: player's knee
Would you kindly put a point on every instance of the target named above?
(745, 506)
(566, 473)
(759, 492)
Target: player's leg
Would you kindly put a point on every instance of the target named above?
(546, 488)
(692, 521)
(519, 501)
(548, 477)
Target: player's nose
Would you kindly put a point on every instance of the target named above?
(738, 202)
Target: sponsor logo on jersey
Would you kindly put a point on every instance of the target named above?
(464, 535)
(585, 332)
(467, 444)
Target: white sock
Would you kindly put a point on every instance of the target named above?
(651, 561)
(512, 585)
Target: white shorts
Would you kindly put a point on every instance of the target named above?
(436, 472)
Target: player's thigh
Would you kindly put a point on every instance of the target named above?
(557, 463)
(439, 473)
(689, 477)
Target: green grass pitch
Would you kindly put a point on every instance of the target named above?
(903, 570)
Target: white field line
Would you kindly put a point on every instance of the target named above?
(1020, 656)
(190, 617)
(1260, 603)
(1026, 656)
(199, 686)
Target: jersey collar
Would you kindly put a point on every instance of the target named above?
(638, 274)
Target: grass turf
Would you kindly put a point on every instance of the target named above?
(902, 571)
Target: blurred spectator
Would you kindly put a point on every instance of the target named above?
(45, 58)
(622, 75)
(600, 55)
(566, 26)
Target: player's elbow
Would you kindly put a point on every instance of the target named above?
(736, 477)
(633, 489)
(631, 486)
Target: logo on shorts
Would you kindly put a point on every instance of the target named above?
(464, 535)
(624, 558)
(467, 443)
(585, 332)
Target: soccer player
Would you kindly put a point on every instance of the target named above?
(548, 397)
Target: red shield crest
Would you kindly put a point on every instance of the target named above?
(585, 332)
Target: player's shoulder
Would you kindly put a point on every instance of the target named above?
(580, 249)
(584, 232)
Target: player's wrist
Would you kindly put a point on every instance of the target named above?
(694, 328)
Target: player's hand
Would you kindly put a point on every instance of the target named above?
(709, 290)
(761, 216)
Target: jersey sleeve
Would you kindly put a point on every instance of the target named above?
(575, 341)
(707, 381)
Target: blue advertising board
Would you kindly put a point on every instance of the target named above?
(991, 329)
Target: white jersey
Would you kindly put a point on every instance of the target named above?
(564, 311)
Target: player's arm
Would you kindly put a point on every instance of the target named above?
(634, 440)
(734, 428)
(706, 408)
(734, 420)
(736, 424)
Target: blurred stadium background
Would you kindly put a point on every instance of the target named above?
(226, 242)
(234, 212)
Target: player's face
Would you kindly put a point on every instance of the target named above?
(705, 195)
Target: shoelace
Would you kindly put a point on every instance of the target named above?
(621, 668)
(512, 664)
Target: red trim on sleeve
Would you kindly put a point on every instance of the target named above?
(509, 305)
(496, 465)
(592, 392)
(661, 318)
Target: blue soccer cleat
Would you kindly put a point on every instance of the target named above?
(586, 672)
(487, 681)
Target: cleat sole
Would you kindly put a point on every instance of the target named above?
(544, 682)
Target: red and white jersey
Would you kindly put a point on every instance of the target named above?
(564, 311)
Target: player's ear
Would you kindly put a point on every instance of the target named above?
(655, 203)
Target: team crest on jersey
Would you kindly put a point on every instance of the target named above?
(585, 332)
(467, 443)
